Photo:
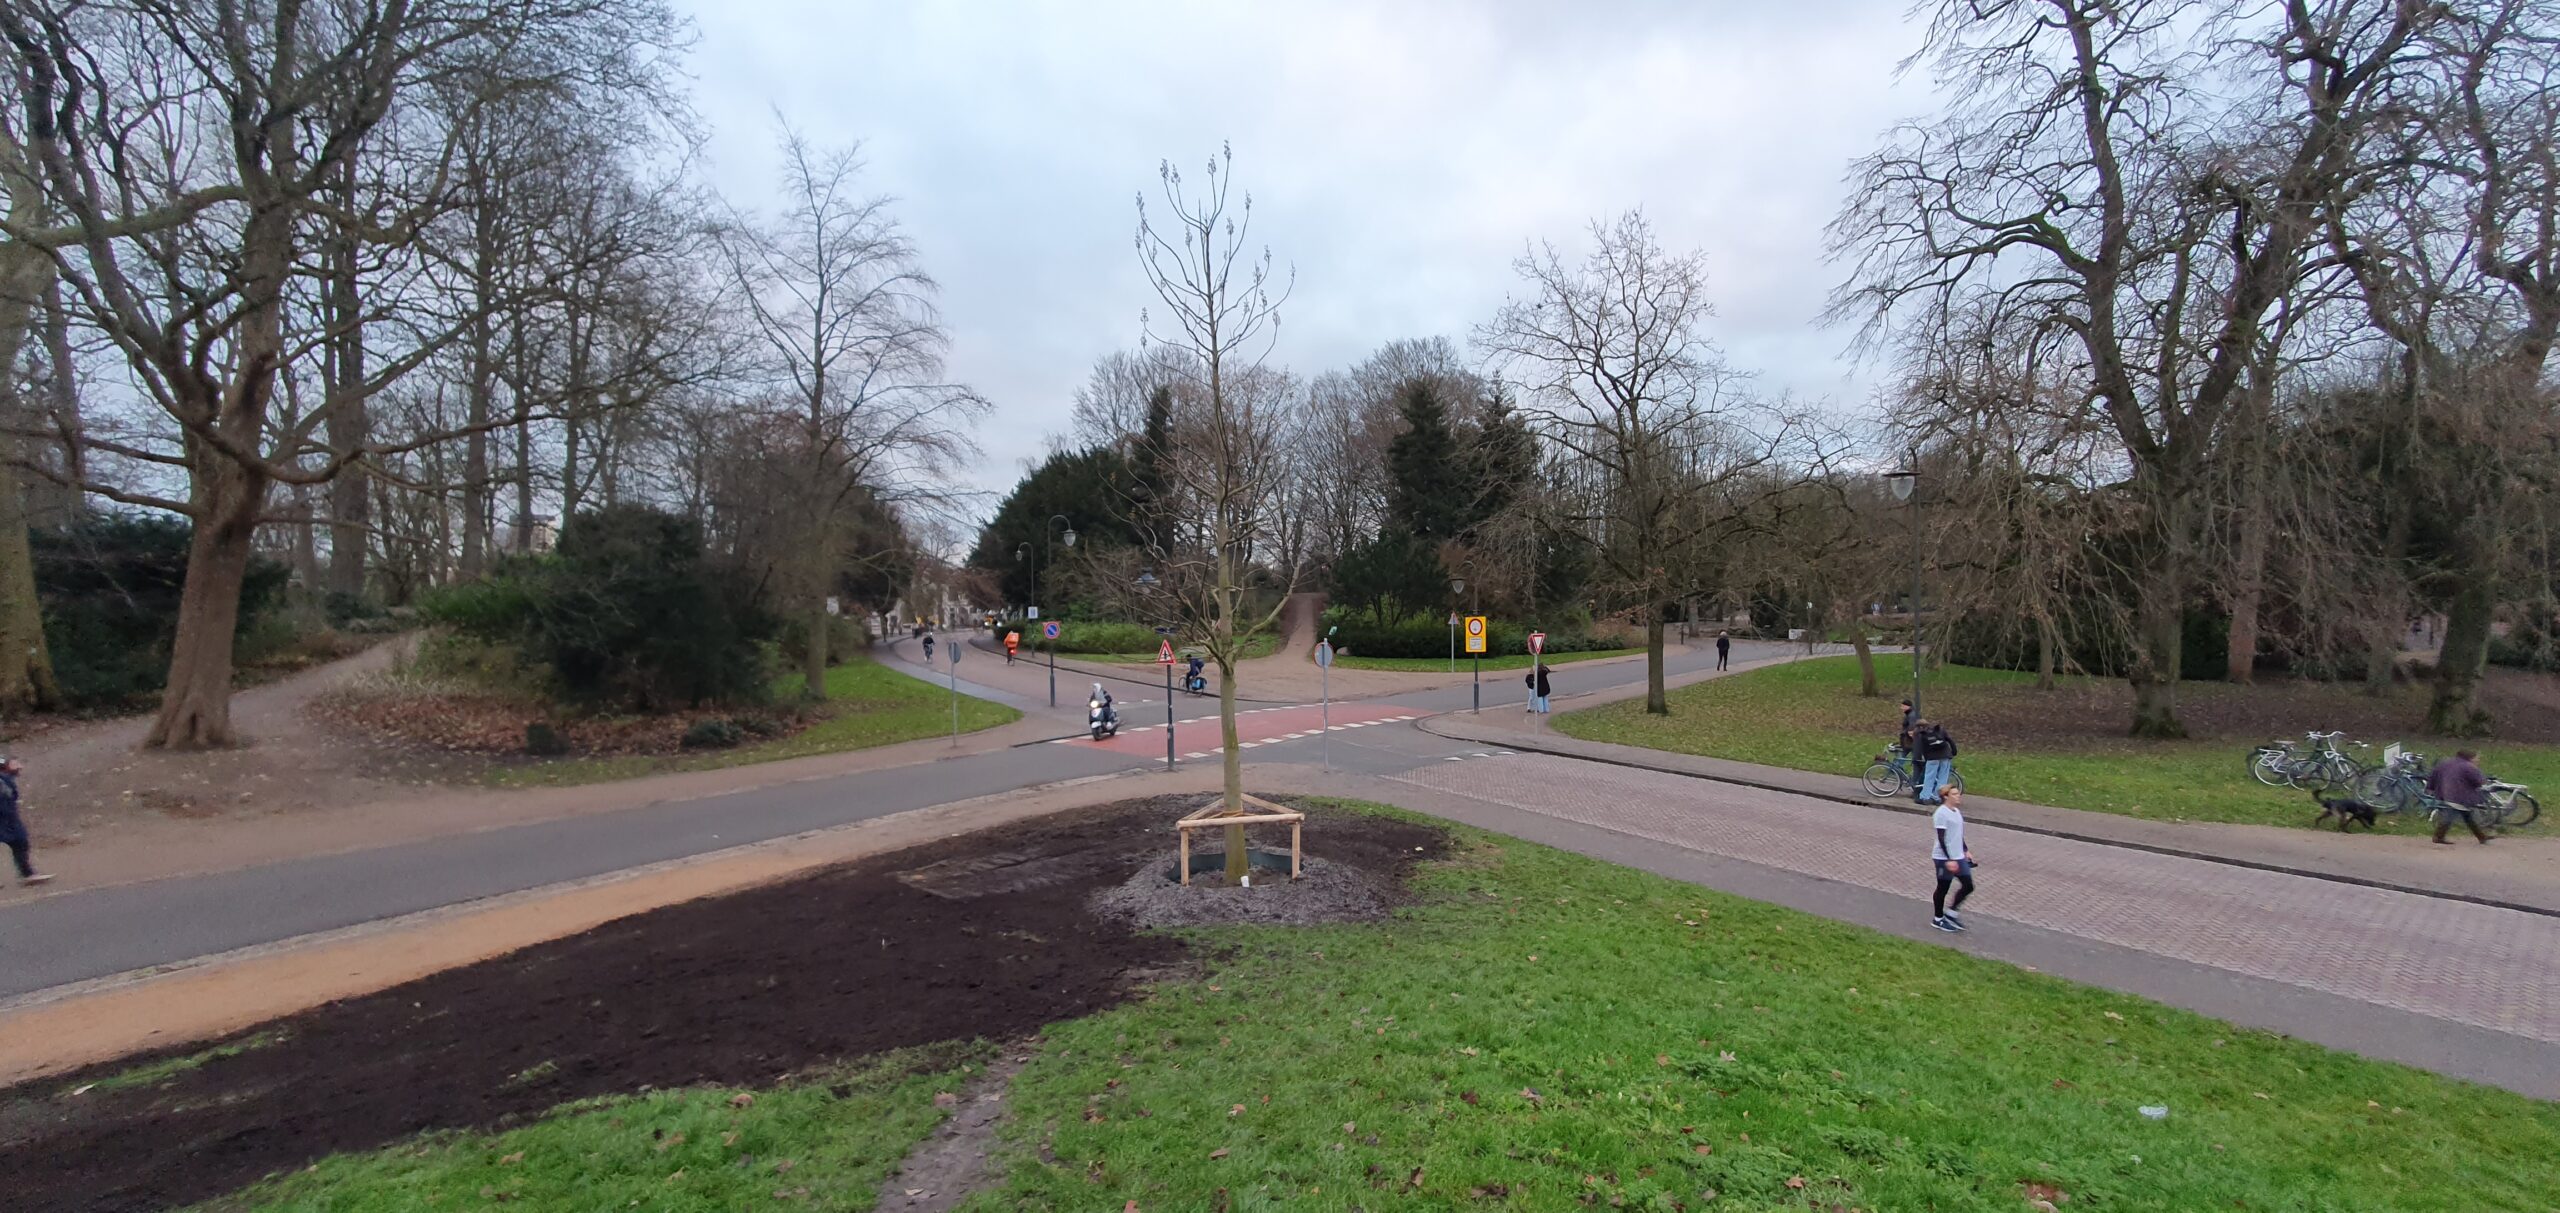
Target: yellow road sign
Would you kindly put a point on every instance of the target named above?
(1475, 633)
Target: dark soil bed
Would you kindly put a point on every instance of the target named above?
(988, 935)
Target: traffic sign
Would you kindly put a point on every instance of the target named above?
(1475, 633)
(1453, 619)
(1324, 654)
(1050, 629)
(1537, 642)
(1164, 653)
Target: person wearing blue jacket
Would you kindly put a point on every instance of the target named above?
(13, 828)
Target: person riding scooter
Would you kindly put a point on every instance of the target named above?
(1101, 717)
(1193, 681)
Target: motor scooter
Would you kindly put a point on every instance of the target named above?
(1101, 718)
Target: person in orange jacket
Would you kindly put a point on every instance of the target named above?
(1012, 643)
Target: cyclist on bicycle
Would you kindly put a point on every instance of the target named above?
(2456, 782)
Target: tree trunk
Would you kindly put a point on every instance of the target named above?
(2455, 711)
(1656, 702)
(2045, 680)
(349, 423)
(1866, 660)
(26, 668)
(195, 710)
(813, 658)
(2249, 576)
(2158, 624)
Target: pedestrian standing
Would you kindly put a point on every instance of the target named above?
(1937, 759)
(1951, 861)
(2457, 782)
(13, 828)
(1724, 648)
(1538, 688)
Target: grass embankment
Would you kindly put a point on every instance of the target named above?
(1506, 661)
(824, 1143)
(867, 705)
(2063, 747)
(1548, 1032)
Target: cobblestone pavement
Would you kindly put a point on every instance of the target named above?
(2472, 964)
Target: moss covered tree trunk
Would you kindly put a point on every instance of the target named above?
(2454, 709)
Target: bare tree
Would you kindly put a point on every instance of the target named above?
(1221, 316)
(1618, 370)
(844, 312)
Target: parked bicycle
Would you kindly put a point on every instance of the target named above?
(2281, 764)
(2396, 786)
(1896, 772)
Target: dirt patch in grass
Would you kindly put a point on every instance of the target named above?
(465, 722)
(744, 989)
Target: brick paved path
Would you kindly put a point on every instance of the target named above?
(2488, 967)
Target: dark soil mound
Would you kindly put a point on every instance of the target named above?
(988, 935)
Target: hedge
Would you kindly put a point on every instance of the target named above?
(1427, 636)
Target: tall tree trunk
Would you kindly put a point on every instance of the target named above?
(2159, 624)
(2454, 711)
(2248, 580)
(2045, 680)
(305, 539)
(68, 503)
(524, 487)
(195, 710)
(349, 423)
(1866, 659)
(26, 667)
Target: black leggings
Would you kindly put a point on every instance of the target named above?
(1964, 888)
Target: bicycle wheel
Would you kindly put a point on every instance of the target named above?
(2371, 786)
(1884, 779)
(1955, 779)
(2340, 771)
(2521, 809)
(2490, 815)
(2399, 793)
(2266, 765)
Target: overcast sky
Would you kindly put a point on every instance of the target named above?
(1399, 157)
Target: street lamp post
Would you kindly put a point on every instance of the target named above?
(1458, 586)
(1905, 484)
(1025, 552)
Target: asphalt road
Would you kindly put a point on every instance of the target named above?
(86, 934)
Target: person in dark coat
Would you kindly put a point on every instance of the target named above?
(2457, 782)
(1938, 760)
(1538, 689)
(13, 828)
(1724, 648)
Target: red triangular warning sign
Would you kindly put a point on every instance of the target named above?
(1164, 653)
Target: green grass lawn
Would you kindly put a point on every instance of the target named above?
(1551, 1032)
(1808, 715)
(867, 705)
(1507, 661)
(825, 1143)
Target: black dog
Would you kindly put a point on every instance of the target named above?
(2345, 809)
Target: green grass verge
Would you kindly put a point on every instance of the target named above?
(1547, 1032)
(153, 1073)
(825, 1143)
(1507, 661)
(867, 705)
(1808, 715)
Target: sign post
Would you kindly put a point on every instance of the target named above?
(1537, 664)
(1324, 664)
(1049, 630)
(1453, 642)
(1164, 657)
(954, 649)
(1475, 650)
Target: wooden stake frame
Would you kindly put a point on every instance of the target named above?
(1216, 815)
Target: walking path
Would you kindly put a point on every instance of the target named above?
(2520, 873)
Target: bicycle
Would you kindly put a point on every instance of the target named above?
(2513, 804)
(2281, 764)
(1894, 773)
(2397, 785)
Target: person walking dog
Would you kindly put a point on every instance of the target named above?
(2457, 781)
(13, 828)
(1951, 860)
